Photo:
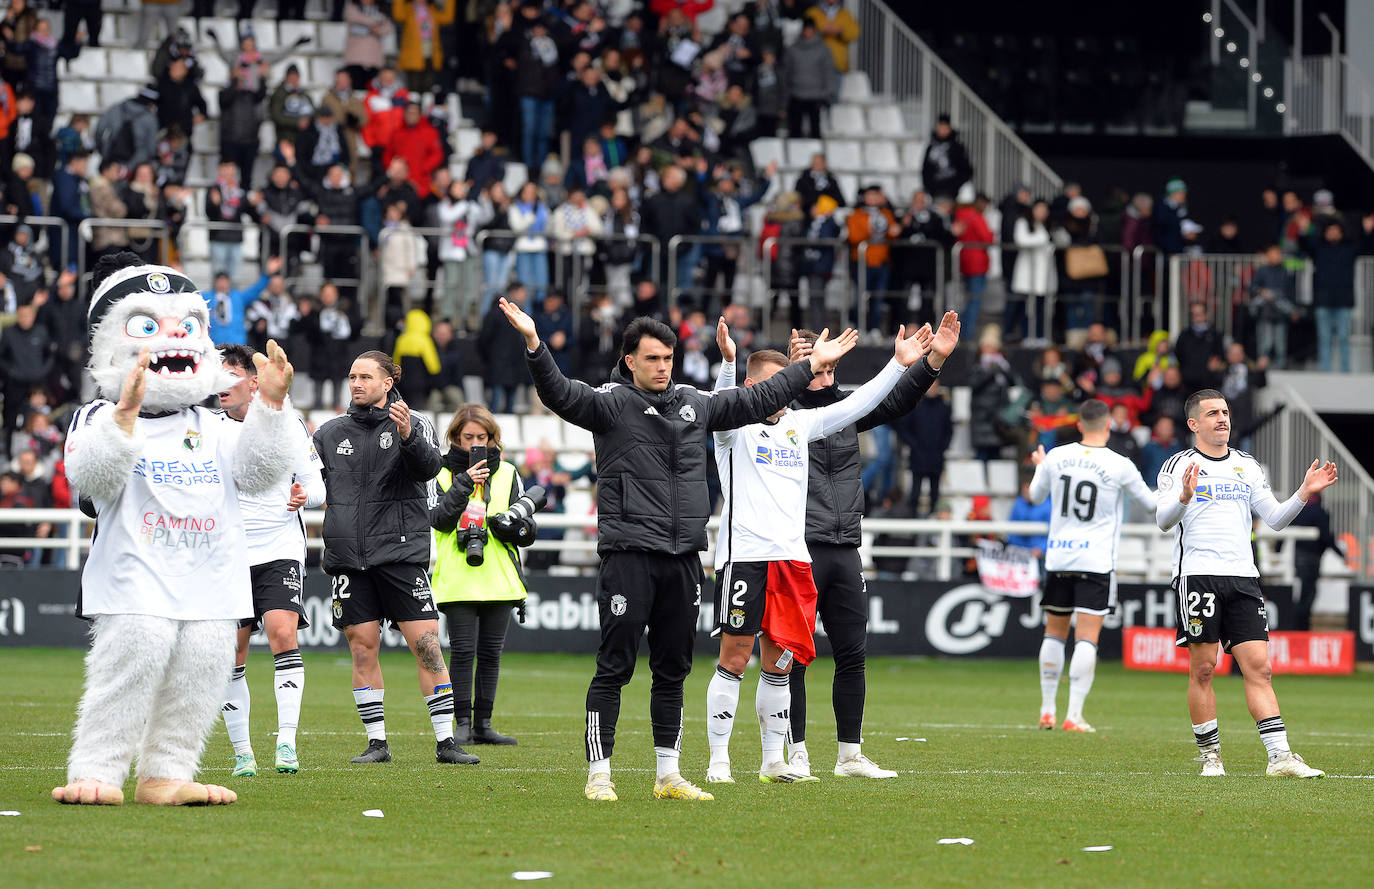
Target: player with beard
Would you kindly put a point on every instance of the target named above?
(1209, 493)
(276, 564)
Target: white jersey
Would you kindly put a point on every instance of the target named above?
(1214, 529)
(1085, 486)
(273, 531)
(171, 544)
(763, 470)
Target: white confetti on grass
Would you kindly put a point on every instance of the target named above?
(9, 813)
(1097, 848)
(955, 841)
(532, 874)
(374, 813)
(917, 740)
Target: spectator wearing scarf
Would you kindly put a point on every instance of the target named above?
(529, 216)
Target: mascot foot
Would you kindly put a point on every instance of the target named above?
(171, 792)
(89, 792)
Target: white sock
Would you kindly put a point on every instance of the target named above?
(1081, 671)
(667, 761)
(1274, 735)
(1051, 668)
(370, 710)
(771, 702)
(598, 767)
(795, 747)
(290, 682)
(722, 702)
(847, 750)
(441, 711)
(235, 710)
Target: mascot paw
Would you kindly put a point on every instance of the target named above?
(89, 792)
(171, 792)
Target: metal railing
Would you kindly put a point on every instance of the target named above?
(370, 309)
(1328, 94)
(902, 68)
(85, 232)
(1296, 438)
(838, 272)
(863, 294)
(43, 223)
(1155, 300)
(944, 547)
(746, 267)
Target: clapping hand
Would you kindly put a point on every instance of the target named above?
(724, 341)
(274, 375)
(945, 341)
(826, 352)
(400, 415)
(521, 322)
(798, 348)
(1189, 483)
(297, 498)
(909, 349)
(1320, 476)
(131, 395)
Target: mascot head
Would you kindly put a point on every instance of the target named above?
(136, 306)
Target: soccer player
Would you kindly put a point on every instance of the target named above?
(1085, 482)
(651, 453)
(1209, 492)
(380, 461)
(764, 586)
(276, 558)
(834, 507)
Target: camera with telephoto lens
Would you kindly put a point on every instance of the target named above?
(515, 525)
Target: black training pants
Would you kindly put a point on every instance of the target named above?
(476, 633)
(635, 590)
(843, 607)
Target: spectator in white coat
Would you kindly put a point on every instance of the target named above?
(1033, 276)
(460, 218)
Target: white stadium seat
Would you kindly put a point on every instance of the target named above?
(468, 140)
(1131, 556)
(965, 477)
(854, 87)
(799, 152)
(886, 120)
(844, 155)
(129, 64)
(766, 150)
(290, 31)
(195, 242)
(913, 154)
(542, 429)
(205, 137)
(114, 92)
(1003, 479)
(515, 177)
(216, 71)
(267, 137)
(333, 37)
(227, 30)
(576, 438)
(211, 103)
(847, 121)
(78, 97)
(849, 186)
(907, 185)
(91, 64)
(265, 34)
(321, 73)
(510, 434)
(880, 156)
(961, 404)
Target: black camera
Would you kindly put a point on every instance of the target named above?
(514, 526)
(473, 540)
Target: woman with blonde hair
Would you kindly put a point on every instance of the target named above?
(477, 575)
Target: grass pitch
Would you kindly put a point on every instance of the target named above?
(1030, 800)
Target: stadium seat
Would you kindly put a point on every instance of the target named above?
(78, 97)
(265, 34)
(880, 156)
(216, 71)
(515, 177)
(1131, 556)
(961, 445)
(960, 403)
(799, 152)
(913, 154)
(847, 121)
(321, 71)
(579, 502)
(1003, 479)
(467, 141)
(251, 237)
(211, 103)
(510, 433)
(572, 461)
(278, 72)
(577, 438)
(886, 120)
(765, 151)
(91, 64)
(114, 92)
(965, 477)
(205, 137)
(542, 429)
(473, 389)
(844, 155)
(854, 87)
(908, 184)
(129, 64)
(195, 240)
(849, 186)
(333, 37)
(227, 30)
(888, 183)
(267, 137)
(289, 31)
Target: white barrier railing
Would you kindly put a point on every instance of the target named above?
(943, 548)
(1328, 94)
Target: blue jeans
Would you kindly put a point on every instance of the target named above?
(496, 268)
(532, 270)
(224, 257)
(502, 399)
(876, 279)
(536, 126)
(1333, 322)
(1271, 340)
(975, 285)
(881, 470)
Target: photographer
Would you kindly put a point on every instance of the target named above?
(477, 576)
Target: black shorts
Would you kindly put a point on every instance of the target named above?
(276, 587)
(1070, 591)
(740, 588)
(1229, 610)
(398, 592)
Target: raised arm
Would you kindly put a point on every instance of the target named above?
(918, 378)
(834, 417)
(1134, 484)
(573, 400)
(725, 376)
(733, 408)
(1043, 480)
(266, 450)
(1172, 495)
(1276, 515)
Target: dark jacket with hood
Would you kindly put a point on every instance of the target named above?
(834, 492)
(651, 448)
(379, 487)
(946, 165)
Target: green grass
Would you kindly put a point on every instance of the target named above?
(1031, 800)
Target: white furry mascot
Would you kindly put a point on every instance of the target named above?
(167, 577)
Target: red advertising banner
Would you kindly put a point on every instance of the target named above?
(1312, 654)
(1153, 648)
(1293, 652)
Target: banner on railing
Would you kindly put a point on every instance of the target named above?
(1008, 570)
(958, 618)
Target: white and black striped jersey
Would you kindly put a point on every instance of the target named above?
(1214, 528)
(1085, 485)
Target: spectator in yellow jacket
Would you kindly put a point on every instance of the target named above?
(838, 27)
(421, 54)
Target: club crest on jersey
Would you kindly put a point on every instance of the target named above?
(1194, 627)
(737, 617)
(792, 437)
(618, 604)
(385, 440)
(1240, 472)
(687, 413)
(192, 440)
(1166, 482)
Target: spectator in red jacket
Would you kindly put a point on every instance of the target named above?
(416, 142)
(690, 8)
(386, 102)
(970, 228)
